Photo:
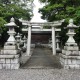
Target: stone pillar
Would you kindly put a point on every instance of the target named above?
(29, 40)
(53, 41)
(57, 41)
(50, 43)
(57, 45)
(18, 40)
(24, 40)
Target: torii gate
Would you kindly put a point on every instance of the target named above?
(51, 24)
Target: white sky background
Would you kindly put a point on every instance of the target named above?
(37, 16)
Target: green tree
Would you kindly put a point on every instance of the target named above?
(14, 8)
(62, 9)
(59, 9)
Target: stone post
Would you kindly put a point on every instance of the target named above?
(29, 40)
(57, 44)
(25, 40)
(50, 43)
(57, 41)
(18, 40)
(53, 41)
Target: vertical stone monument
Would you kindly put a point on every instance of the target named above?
(57, 41)
(9, 57)
(70, 56)
(50, 43)
(25, 42)
(18, 40)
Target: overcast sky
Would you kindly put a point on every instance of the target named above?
(37, 16)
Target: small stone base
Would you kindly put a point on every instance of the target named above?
(70, 57)
(9, 58)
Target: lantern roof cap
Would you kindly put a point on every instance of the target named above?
(18, 35)
(12, 22)
(24, 37)
(70, 21)
(12, 19)
(71, 24)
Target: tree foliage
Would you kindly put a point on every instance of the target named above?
(62, 9)
(59, 9)
(14, 8)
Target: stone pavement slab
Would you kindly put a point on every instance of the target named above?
(42, 58)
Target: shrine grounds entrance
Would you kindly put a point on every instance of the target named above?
(42, 58)
(28, 28)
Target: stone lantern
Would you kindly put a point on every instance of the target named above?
(21, 41)
(0, 35)
(18, 40)
(70, 56)
(11, 40)
(71, 27)
(25, 41)
(50, 43)
(57, 41)
(9, 54)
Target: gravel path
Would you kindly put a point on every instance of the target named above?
(40, 74)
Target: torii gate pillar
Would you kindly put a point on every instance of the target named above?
(53, 41)
(29, 40)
